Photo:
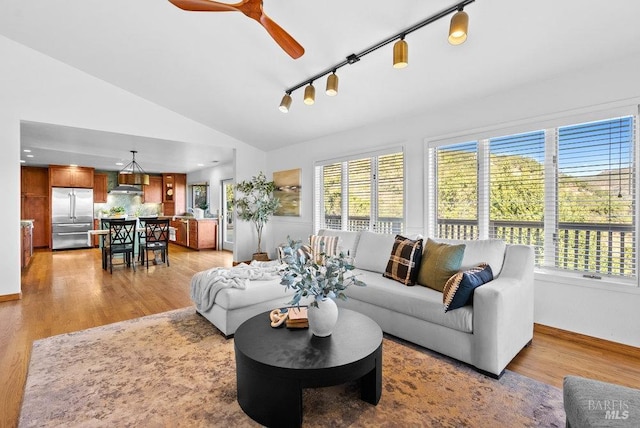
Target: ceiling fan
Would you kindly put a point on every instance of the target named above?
(252, 9)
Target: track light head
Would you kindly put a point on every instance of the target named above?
(285, 104)
(400, 54)
(459, 27)
(309, 94)
(332, 85)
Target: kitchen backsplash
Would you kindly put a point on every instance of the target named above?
(132, 204)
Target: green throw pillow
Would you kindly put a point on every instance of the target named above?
(439, 262)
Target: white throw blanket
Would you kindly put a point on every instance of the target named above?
(205, 285)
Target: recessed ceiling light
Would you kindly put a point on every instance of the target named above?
(29, 156)
(200, 164)
(22, 161)
(27, 151)
(119, 163)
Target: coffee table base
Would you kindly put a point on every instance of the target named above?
(275, 399)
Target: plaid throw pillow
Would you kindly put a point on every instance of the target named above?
(404, 261)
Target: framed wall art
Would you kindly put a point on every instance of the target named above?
(288, 188)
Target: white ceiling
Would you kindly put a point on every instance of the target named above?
(225, 71)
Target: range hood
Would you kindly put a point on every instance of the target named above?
(125, 189)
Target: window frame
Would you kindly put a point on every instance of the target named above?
(550, 127)
(318, 194)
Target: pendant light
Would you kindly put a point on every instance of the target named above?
(309, 94)
(133, 174)
(332, 85)
(400, 54)
(459, 27)
(285, 104)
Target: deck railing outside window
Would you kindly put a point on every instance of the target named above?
(602, 248)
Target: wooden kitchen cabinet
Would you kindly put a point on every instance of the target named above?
(100, 188)
(174, 193)
(153, 192)
(203, 233)
(70, 176)
(34, 202)
(181, 231)
(26, 248)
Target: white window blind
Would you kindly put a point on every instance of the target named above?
(516, 183)
(457, 191)
(390, 193)
(362, 193)
(596, 194)
(359, 179)
(568, 191)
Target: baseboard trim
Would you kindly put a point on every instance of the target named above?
(10, 297)
(583, 339)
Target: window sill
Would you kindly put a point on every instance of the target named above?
(629, 286)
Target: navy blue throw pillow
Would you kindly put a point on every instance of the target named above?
(458, 291)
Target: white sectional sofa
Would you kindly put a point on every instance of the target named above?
(486, 335)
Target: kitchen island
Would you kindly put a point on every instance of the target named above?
(195, 233)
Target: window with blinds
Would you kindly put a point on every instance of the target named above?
(568, 191)
(363, 193)
(596, 194)
(516, 190)
(457, 195)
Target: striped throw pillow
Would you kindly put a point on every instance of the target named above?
(322, 246)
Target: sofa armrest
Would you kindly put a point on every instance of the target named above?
(503, 311)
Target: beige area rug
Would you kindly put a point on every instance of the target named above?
(176, 369)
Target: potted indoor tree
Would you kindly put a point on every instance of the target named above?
(256, 203)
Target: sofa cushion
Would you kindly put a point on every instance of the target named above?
(458, 291)
(419, 302)
(303, 250)
(489, 251)
(404, 261)
(327, 245)
(347, 243)
(440, 261)
(373, 250)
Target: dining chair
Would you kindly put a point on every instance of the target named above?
(156, 239)
(122, 241)
(141, 235)
(105, 242)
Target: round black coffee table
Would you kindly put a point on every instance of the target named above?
(274, 364)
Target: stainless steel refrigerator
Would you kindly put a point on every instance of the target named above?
(71, 217)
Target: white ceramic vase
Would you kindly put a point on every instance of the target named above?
(323, 319)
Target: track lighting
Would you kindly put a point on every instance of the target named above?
(457, 34)
(309, 94)
(332, 85)
(285, 104)
(458, 28)
(400, 54)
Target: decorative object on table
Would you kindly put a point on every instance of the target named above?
(288, 188)
(322, 282)
(297, 318)
(278, 317)
(256, 204)
(117, 212)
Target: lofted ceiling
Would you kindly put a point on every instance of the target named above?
(225, 71)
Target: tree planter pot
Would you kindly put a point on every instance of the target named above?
(261, 257)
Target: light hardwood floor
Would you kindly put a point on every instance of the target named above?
(68, 291)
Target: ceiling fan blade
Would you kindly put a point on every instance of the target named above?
(204, 6)
(286, 42)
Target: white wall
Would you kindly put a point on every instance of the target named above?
(609, 313)
(37, 88)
